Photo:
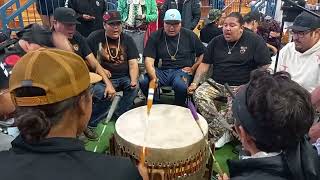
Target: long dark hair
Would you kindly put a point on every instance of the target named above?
(34, 123)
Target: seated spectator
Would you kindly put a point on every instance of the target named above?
(252, 23)
(233, 55)
(90, 15)
(211, 29)
(51, 89)
(269, 30)
(300, 58)
(180, 52)
(118, 55)
(273, 115)
(65, 21)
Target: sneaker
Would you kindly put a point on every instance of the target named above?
(223, 140)
(90, 133)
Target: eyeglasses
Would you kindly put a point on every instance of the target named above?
(4, 92)
(300, 34)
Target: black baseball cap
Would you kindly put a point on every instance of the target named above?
(111, 17)
(66, 15)
(305, 22)
(35, 33)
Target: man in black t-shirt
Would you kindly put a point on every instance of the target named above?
(233, 55)
(65, 20)
(178, 50)
(118, 54)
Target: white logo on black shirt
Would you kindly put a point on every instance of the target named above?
(76, 47)
(243, 49)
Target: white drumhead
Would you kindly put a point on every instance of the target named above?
(169, 127)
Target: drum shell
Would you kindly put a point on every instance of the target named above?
(188, 162)
(167, 158)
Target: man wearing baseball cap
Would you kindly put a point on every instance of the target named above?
(118, 54)
(180, 51)
(65, 21)
(51, 89)
(301, 57)
(211, 29)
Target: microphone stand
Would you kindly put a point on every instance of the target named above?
(282, 24)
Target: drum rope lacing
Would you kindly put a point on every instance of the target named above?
(183, 168)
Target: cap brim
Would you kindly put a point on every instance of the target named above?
(172, 21)
(112, 21)
(94, 78)
(298, 28)
(69, 22)
(73, 22)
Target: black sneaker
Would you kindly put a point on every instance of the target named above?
(90, 133)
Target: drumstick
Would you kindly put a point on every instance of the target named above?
(114, 105)
(196, 118)
(152, 86)
(226, 85)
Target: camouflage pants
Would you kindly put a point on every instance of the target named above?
(213, 100)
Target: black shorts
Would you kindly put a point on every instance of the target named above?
(46, 7)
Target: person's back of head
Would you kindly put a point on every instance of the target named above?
(248, 22)
(49, 88)
(281, 107)
(273, 115)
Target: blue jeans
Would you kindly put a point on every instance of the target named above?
(176, 78)
(101, 104)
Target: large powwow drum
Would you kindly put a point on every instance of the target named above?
(175, 146)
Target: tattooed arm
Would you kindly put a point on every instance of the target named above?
(201, 71)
